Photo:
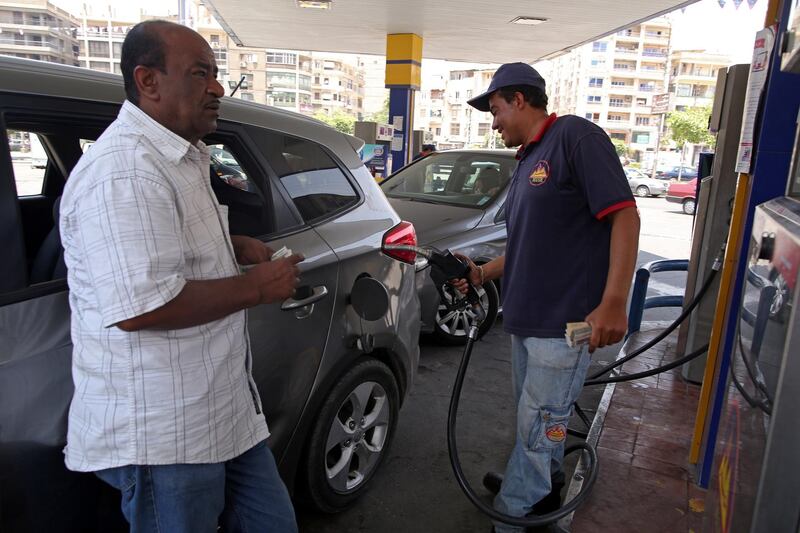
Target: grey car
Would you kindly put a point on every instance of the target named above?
(455, 200)
(643, 185)
(332, 373)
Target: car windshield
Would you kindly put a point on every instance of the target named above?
(456, 178)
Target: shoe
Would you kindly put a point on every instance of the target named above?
(551, 502)
(492, 481)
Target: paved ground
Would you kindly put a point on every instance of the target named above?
(415, 490)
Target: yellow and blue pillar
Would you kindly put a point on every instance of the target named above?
(403, 75)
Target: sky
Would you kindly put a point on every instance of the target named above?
(703, 25)
(728, 30)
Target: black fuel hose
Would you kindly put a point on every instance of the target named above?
(647, 373)
(537, 521)
(663, 335)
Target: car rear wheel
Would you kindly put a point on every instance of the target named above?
(351, 436)
(689, 206)
(454, 317)
(642, 191)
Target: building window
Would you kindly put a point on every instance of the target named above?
(284, 99)
(641, 137)
(618, 136)
(117, 69)
(246, 96)
(616, 102)
(599, 62)
(98, 49)
(594, 99)
(117, 48)
(281, 79)
(483, 129)
(214, 38)
(642, 121)
(281, 58)
(102, 66)
(599, 46)
(455, 129)
(221, 56)
(595, 82)
(304, 82)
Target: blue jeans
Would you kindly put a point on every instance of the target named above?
(245, 494)
(547, 379)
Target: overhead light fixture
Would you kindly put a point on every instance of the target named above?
(529, 21)
(315, 4)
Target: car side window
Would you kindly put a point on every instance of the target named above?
(316, 184)
(233, 183)
(29, 160)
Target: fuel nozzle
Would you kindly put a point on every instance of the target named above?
(444, 267)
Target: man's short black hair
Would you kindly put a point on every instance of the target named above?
(142, 46)
(533, 95)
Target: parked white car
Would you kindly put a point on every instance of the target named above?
(643, 185)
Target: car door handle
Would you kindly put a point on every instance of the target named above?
(317, 294)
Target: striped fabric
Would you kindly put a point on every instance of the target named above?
(138, 219)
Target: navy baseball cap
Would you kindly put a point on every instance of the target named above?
(507, 75)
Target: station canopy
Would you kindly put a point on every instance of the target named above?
(476, 31)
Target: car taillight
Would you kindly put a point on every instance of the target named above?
(402, 234)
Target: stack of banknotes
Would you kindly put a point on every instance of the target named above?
(578, 333)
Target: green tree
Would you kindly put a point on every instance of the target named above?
(620, 147)
(690, 127)
(339, 120)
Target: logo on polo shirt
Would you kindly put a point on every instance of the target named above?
(540, 173)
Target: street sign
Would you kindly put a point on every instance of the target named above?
(660, 104)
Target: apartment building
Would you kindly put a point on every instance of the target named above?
(37, 29)
(693, 77)
(375, 92)
(100, 36)
(612, 83)
(338, 84)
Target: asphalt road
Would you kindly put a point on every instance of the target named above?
(415, 489)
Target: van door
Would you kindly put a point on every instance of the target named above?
(37, 492)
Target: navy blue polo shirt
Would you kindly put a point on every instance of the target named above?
(567, 181)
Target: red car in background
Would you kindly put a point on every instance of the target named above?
(683, 192)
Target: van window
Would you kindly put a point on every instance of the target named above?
(29, 160)
(234, 186)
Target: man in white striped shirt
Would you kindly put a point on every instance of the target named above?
(165, 408)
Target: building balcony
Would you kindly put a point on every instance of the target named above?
(625, 35)
(623, 89)
(625, 72)
(655, 56)
(652, 38)
(624, 105)
(651, 74)
(710, 79)
(630, 52)
(32, 48)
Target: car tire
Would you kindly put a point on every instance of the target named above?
(642, 191)
(351, 436)
(451, 328)
(689, 206)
